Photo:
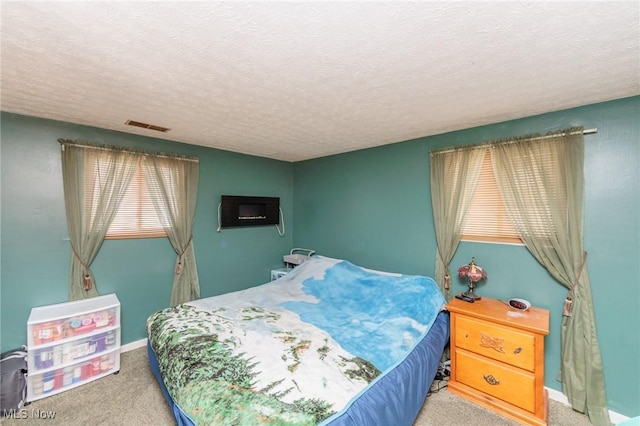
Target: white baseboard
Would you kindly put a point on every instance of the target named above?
(133, 345)
(562, 398)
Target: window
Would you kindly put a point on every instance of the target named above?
(136, 216)
(487, 219)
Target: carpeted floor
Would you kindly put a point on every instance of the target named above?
(133, 397)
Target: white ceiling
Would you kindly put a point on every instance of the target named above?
(300, 80)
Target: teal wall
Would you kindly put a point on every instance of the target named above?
(35, 251)
(373, 207)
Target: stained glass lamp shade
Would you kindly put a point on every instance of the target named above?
(473, 273)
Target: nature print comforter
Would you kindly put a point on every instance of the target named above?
(294, 351)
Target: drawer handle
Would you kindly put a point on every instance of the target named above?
(494, 343)
(491, 380)
(517, 351)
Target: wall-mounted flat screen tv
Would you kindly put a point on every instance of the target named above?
(238, 210)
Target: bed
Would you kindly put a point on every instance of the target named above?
(330, 343)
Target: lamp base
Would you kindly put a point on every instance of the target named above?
(471, 294)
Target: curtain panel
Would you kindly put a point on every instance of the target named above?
(454, 174)
(173, 186)
(91, 203)
(541, 182)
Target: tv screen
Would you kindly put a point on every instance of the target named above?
(238, 210)
(252, 211)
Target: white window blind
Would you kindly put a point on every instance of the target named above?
(487, 219)
(546, 180)
(136, 216)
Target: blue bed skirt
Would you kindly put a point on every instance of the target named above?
(395, 398)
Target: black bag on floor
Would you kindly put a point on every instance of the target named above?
(13, 380)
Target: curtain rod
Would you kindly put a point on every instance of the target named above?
(486, 144)
(89, 145)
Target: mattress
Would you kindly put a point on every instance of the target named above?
(329, 343)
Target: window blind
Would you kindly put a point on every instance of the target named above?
(136, 216)
(487, 219)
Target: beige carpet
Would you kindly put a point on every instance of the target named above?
(133, 397)
(445, 408)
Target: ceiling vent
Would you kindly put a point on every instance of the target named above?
(147, 126)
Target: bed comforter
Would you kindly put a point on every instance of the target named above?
(295, 351)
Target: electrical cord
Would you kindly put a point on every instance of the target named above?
(437, 386)
(441, 379)
(219, 223)
(281, 233)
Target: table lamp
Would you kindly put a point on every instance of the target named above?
(473, 273)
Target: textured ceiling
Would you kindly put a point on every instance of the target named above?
(294, 80)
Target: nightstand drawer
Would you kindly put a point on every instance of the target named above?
(503, 344)
(509, 384)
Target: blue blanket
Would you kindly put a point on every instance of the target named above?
(295, 351)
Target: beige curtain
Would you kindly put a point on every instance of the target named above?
(173, 185)
(541, 181)
(94, 180)
(454, 175)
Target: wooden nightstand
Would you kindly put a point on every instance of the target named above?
(497, 358)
